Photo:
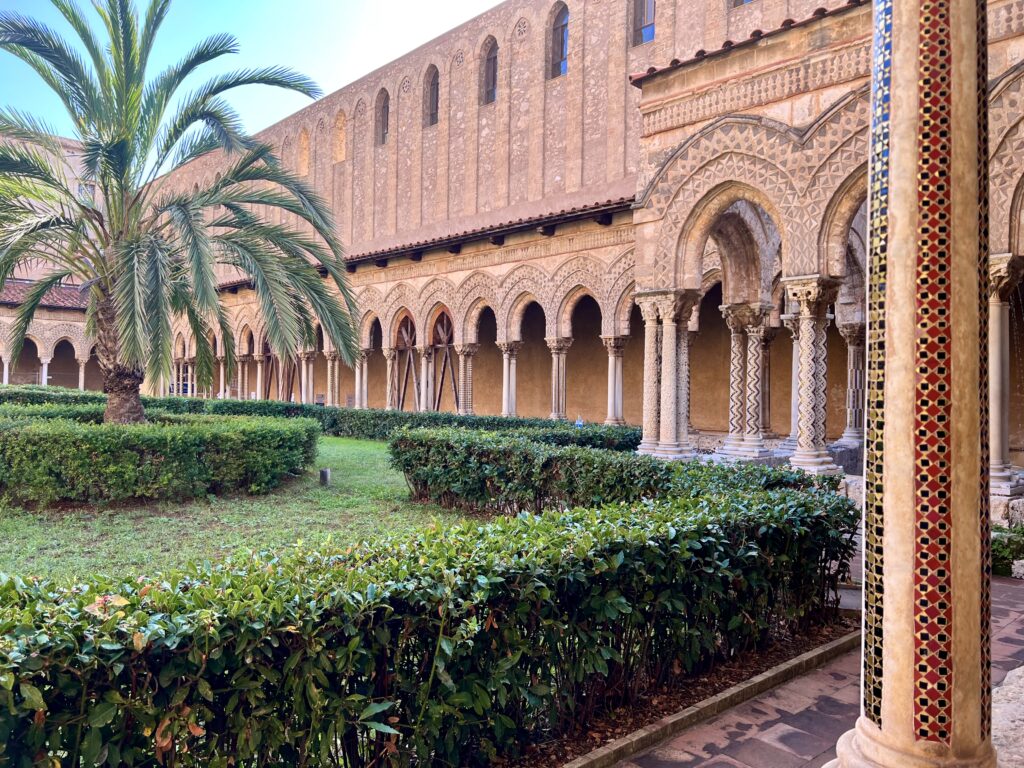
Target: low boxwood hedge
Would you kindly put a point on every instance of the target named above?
(366, 424)
(531, 469)
(452, 647)
(516, 471)
(51, 453)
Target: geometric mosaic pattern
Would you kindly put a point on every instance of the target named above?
(984, 279)
(878, 193)
(933, 481)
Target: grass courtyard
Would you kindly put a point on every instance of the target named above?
(366, 496)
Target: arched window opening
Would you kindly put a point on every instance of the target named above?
(432, 97)
(405, 375)
(559, 64)
(489, 91)
(643, 21)
(383, 117)
(302, 154)
(444, 362)
(340, 138)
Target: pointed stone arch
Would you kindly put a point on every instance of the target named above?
(523, 285)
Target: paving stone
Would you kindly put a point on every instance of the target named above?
(763, 755)
(796, 725)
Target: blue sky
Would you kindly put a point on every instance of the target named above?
(332, 41)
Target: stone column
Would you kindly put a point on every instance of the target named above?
(389, 358)
(7, 371)
(813, 296)
(737, 318)
(927, 651)
(652, 374)
(260, 362)
(559, 348)
(191, 364)
(220, 363)
(44, 371)
(466, 353)
(239, 377)
(360, 379)
(854, 335)
(81, 374)
(426, 378)
(753, 437)
(675, 375)
(1005, 271)
(364, 394)
(616, 346)
(509, 355)
(792, 324)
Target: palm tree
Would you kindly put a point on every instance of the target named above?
(147, 255)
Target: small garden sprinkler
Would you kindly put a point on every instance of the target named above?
(579, 422)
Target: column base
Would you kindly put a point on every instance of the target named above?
(732, 447)
(814, 463)
(1005, 482)
(674, 452)
(786, 447)
(866, 747)
(851, 439)
(557, 416)
(615, 422)
(648, 448)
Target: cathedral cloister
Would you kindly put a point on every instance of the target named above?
(671, 232)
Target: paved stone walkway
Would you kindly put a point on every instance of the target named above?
(797, 724)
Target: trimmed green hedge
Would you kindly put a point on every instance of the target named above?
(513, 471)
(529, 470)
(54, 453)
(346, 422)
(451, 647)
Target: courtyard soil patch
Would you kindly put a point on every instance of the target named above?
(677, 695)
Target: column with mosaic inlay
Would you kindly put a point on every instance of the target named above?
(737, 318)
(853, 335)
(467, 354)
(390, 353)
(812, 295)
(927, 647)
(559, 351)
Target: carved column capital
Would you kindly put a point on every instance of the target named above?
(855, 334)
(363, 355)
(559, 346)
(333, 356)
(390, 353)
(813, 294)
(467, 350)
(648, 304)
(1006, 270)
(510, 348)
(426, 352)
(615, 345)
(744, 317)
(792, 324)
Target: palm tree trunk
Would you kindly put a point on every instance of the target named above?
(121, 383)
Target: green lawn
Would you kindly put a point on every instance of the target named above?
(366, 497)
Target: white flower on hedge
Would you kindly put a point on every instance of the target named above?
(1017, 570)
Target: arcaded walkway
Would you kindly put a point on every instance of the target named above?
(797, 724)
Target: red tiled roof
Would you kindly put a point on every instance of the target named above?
(498, 228)
(755, 37)
(61, 297)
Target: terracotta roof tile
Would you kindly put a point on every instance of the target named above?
(61, 297)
